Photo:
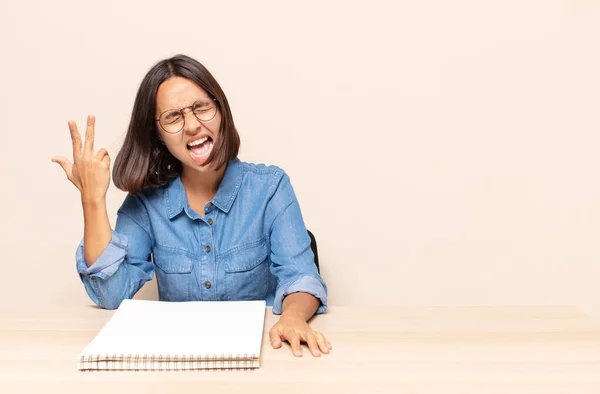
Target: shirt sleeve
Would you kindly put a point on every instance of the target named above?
(291, 255)
(125, 265)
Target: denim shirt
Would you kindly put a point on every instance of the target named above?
(251, 244)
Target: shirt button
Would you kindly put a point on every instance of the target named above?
(207, 249)
(207, 284)
(210, 221)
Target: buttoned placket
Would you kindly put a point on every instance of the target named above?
(208, 272)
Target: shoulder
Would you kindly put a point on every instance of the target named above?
(261, 169)
(269, 182)
(139, 204)
(148, 196)
(269, 174)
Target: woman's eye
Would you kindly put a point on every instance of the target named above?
(173, 119)
(203, 106)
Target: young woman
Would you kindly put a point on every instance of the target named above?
(208, 225)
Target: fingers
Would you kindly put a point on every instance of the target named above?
(294, 340)
(101, 154)
(311, 341)
(322, 342)
(89, 134)
(106, 161)
(75, 138)
(65, 164)
(316, 342)
(275, 338)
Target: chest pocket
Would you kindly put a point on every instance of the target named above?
(173, 273)
(247, 271)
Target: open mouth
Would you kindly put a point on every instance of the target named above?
(200, 149)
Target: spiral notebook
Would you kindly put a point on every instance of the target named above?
(160, 335)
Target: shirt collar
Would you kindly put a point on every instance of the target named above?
(176, 199)
(229, 187)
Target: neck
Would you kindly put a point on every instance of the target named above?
(202, 184)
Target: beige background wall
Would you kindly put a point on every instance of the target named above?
(444, 153)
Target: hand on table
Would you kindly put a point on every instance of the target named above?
(293, 328)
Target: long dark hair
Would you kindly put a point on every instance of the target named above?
(144, 161)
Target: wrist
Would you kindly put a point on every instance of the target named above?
(291, 313)
(93, 201)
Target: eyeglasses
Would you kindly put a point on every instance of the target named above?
(173, 120)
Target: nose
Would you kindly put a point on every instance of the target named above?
(191, 124)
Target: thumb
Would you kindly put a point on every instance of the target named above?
(275, 338)
(65, 164)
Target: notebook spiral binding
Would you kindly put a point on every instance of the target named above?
(166, 363)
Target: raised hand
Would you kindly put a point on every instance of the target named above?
(90, 171)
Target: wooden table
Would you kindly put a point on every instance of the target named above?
(376, 350)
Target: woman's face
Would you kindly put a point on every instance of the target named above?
(194, 142)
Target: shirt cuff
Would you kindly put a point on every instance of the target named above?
(108, 262)
(306, 284)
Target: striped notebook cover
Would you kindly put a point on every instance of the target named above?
(158, 335)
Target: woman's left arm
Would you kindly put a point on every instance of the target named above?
(301, 292)
(292, 326)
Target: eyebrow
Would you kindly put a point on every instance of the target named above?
(179, 108)
(171, 112)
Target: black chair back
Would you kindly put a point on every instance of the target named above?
(313, 246)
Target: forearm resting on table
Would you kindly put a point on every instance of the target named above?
(97, 232)
(302, 304)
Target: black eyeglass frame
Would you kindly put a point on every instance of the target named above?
(183, 115)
